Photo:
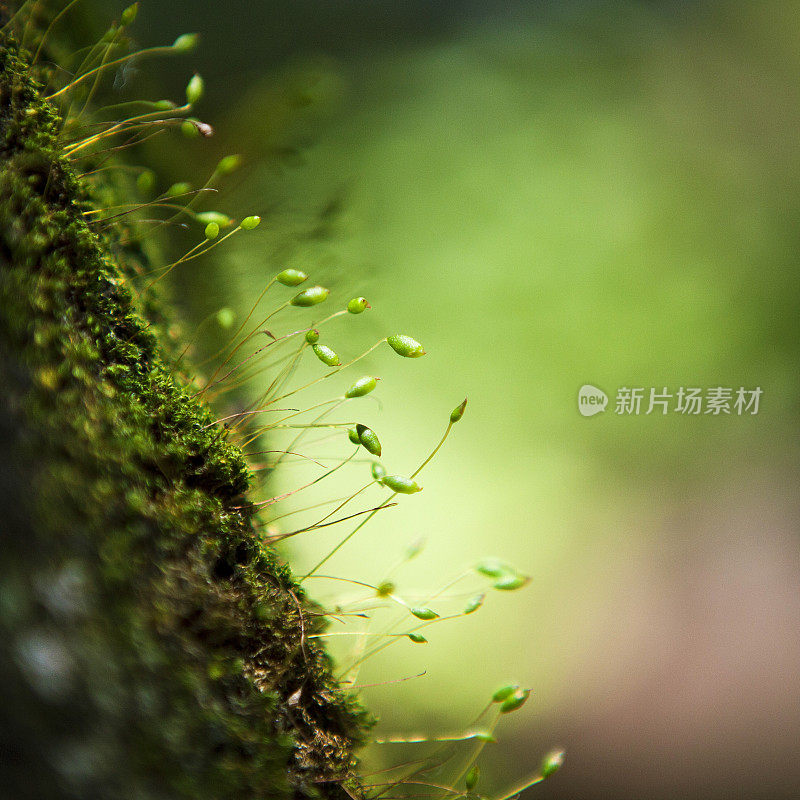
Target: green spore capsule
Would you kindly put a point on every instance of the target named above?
(194, 89)
(146, 181)
(310, 297)
(357, 305)
(312, 336)
(474, 604)
(458, 412)
(369, 439)
(327, 356)
(212, 230)
(493, 568)
(189, 129)
(401, 485)
(417, 638)
(405, 346)
(378, 470)
(228, 164)
(471, 778)
(248, 223)
(182, 187)
(414, 549)
(164, 105)
(504, 692)
(510, 582)
(129, 14)
(385, 588)
(422, 612)
(515, 701)
(361, 387)
(225, 317)
(551, 763)
(352, 435)
(291, 277)
(223, 220)
(186, 42)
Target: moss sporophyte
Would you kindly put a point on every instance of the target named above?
(193, 647)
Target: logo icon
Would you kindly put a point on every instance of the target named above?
(591, 400)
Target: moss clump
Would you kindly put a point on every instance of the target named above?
(150, 646)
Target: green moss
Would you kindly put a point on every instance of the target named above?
(152, 647)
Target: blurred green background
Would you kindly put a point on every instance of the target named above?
(546, 195)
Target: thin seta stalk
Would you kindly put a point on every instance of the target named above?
(455, 416)
(183, 44)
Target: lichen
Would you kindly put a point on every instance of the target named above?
(151, 645)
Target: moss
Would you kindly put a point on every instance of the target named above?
(152, 647)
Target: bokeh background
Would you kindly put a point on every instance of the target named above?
(545, 194)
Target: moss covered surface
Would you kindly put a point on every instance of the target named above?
(150, 645)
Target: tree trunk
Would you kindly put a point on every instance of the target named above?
(151, 646)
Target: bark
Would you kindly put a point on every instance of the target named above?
(151, 646)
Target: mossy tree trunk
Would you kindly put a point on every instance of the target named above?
(150, 646)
